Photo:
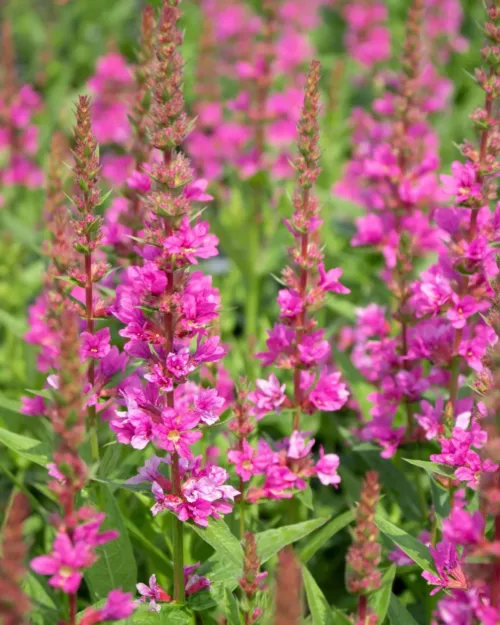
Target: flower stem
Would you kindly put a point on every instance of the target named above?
(72, 609)
(178, 528)
(89, 306)
(362, 608)
(177, 537)
(301, 319)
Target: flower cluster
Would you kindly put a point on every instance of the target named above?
(18, 133)
(394, 175)
(77, 529)
(155, 595)
(168, 311)
(254, 130)
(364, 554)
(14, 604)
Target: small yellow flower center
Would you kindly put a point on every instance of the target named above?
(174, 436)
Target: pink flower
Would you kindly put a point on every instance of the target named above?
(243, 460)
(463, 308)
(192, 581)
(329, 281)
(450, 573)
(326, 468)
(267, 397)
(33, 406)
(462, 183)
(149, 472)
(196, 191)
(290, 303)
(330, 393)
(66, 563)
(174, 432)
(119, 605)
(207, 405)
(463, 527)
(297, 445)
(190, 243)
(95, 345)
(139, 181)
(154, 593)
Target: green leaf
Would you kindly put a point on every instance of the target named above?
(116, 566)
(306, 497)
(380, 599)
(398, 614)
(272, 541)
(321, 537)
(394, 482)
(29, 448)
(201, 600)
(432, 467)
(413, 548)
(44, 608)
(225, 566)
(233, 615)
(321, 612)
(440, 500)
(219, 536)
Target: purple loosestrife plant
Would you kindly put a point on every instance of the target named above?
(396, 180)
(95, 344)
(14, 604)
(168, 311)
(18, 135)
(295, 344)
(364, 555)
(77, 529)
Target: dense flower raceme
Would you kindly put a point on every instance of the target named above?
(77, 529)
(397, 183)
(253, 131)
(169, 310)
(295, 343)
(18, 133)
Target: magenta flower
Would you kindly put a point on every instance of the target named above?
(463, 527)
(149, 472)
(153, 593)
(462, 309)
(329, 394)
(95, 345)
(267, 397)
(326, 468)
(192, 581)
(119, 605)
(191, 243)
(243, 460)
(196, 191)
(462, 184)
(174, 433)
(66, 563)
(449, 569)
(329, 280)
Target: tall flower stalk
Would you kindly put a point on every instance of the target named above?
(77, 529)
(295, 344)
(14, 604)
(364, 555)
(87, 224)
(168, 311)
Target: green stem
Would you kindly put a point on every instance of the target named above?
(242, 509)
(178, 553)
(177, 537)
(94, 438)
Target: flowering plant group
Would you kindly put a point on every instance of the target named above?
(262, 304)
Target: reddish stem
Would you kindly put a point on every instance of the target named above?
(72, 609)
(301, 319)
(362, 608)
